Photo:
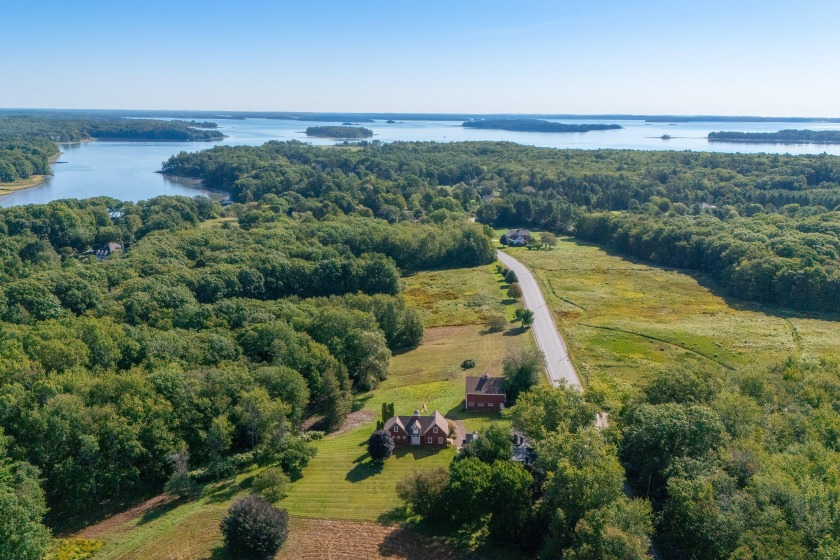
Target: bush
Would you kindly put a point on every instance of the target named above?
(511, 277)
(73, 549)
(380, 445)
(497, 323)
(254, 527)
(514, 291)
(468, 364)
(272, 484)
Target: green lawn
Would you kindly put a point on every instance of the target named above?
(340, 483)
(623, 319)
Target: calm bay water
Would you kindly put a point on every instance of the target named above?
(126, 170)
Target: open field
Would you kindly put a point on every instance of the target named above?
(319, 539)
(340, 489)
(623, 319)
(462, 296)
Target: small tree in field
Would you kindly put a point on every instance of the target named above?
(253, 527)
(548, 240)
(526, 316)
(514, 291)
(380, 445)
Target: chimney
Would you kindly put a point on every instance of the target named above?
(416, 413)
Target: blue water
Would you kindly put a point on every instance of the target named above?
(126, 170)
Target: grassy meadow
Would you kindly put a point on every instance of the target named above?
(623, 319)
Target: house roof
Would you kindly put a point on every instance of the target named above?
(425, 423)
(518, 233)
(486, 385)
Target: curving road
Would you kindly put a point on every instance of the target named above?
(557, 361)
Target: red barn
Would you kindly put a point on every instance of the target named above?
(485, 393)
(424, 431)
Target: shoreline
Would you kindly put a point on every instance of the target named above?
(789, 142)
(29, 182)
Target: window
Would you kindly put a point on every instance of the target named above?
(430, 440)
(440, 440)
(472, 403)
(490, 404)
(435, 429)
(481, 404)
(396, 429)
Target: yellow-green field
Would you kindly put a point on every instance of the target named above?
(463, 296)
(623, 319)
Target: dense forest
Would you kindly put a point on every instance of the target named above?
(765, 226)
(20, 159)
(339, 132)
(535, 125)
(205, 345)
(780, 137)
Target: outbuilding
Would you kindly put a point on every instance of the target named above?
(485, 393)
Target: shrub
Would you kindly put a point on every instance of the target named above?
(468, 364)
(511, 277)
(254, 527)
(272, 484)
(514, 291)
(73, 549)
(497, 323)
(380, 445)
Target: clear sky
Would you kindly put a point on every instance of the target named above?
(729, 57)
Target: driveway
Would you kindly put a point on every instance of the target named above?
(549, 341)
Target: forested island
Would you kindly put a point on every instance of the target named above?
(780, 137)
(341, 132)
(535, 125)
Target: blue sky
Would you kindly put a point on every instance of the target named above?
(731, 57)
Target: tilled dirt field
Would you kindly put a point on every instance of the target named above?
(323, 539)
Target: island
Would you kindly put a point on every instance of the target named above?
(535, 125)
(780, 137)
(339, 132)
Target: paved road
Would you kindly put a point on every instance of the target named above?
(550, 342)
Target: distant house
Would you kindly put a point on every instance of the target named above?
(517, 237)
(108, 250)
(423, 431)
(523, 453)
(485, 393)
(707, 206)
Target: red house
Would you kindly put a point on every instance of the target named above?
(485, 393)
(423, 431)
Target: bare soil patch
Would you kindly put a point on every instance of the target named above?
(324, 539)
